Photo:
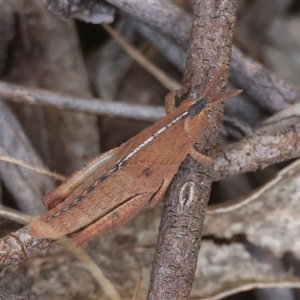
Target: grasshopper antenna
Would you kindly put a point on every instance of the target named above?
(227, 95)
(212, 83)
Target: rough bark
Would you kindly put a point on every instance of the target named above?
(186, 201)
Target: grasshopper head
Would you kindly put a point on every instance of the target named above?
(196, 118)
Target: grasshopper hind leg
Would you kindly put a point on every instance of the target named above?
(112, 220)
(159, 193)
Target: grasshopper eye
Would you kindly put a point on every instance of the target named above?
(197, 107)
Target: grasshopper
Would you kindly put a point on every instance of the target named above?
(112, 188)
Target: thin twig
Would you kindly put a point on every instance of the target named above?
(160, 75)
(174, 53)
(231, 206)
(34, 96)
(32, 168)
(15, 215)
(251, 286)
(90, 265)
(137, 286)
(291, 112)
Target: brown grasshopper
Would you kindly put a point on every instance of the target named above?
(112, 188)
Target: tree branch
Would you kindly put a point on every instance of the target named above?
(268, 90)
(257, 152)
(34, 96)
(181, 225)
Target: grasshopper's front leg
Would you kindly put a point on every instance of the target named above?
(78, 178)
(170, 102)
